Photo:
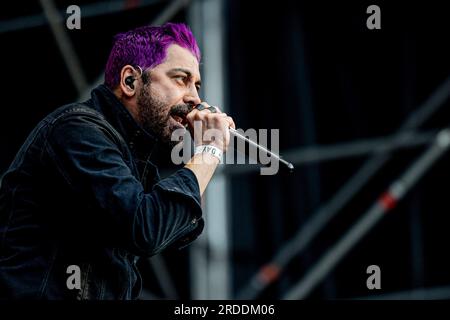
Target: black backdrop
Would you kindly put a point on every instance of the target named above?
(314, 71)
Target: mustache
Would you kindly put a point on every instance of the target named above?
(181, 110)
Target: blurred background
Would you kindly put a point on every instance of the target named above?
(358, 111)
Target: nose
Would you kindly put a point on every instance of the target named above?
(192, 97)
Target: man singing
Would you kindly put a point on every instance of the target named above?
(81, 193)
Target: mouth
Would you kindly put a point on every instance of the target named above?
(178, 114)
(181, 121)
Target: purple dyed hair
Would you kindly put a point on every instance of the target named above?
(147, 47)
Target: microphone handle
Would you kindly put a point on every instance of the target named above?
(235, 133)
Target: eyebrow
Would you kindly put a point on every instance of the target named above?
(188, 73)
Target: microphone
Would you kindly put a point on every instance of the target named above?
(235, 133)
(182, 113)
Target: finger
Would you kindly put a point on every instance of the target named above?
(218, 109)
(205, 105)
(196, 114)
(200, 106)
(231, 122)
(213, 109)
(200, 109)
(190, 116)
(229, 119)
(221, 115)
(220, 120)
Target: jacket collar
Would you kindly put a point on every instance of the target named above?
(139, 140)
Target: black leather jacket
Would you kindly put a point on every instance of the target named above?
(81, 191)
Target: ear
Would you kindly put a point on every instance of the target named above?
(126, 89)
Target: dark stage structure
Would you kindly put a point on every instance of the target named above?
(362, 113)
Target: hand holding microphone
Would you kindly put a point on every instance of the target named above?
(211, 118)
(210, 126)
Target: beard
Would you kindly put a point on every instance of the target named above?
(155, 115)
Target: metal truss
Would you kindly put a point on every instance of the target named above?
(89, 11)
(385, 202)
(380, 150)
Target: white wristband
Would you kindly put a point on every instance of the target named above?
(216, 152)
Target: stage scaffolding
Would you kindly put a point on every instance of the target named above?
(211, 276)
